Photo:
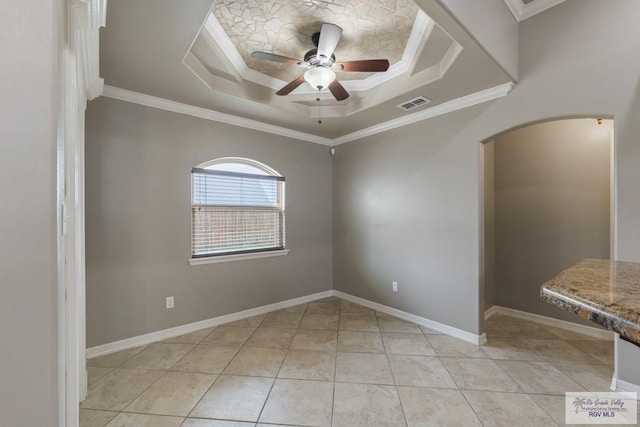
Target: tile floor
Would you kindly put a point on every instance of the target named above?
(334, 363)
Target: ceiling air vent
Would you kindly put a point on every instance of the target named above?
(414, 103)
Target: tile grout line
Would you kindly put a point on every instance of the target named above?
(393, 377)
(218, 375)
(496, 361)
(281, 363)
(335, 365)
(158, 379)
(208, 388)
(139, 394)
(203, 395)
(542, 409)
(244, 345)
(120, 411)
(524, 392)
(464, 396)
(462, 391)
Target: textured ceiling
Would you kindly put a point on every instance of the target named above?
(146, 46)
(372, 29)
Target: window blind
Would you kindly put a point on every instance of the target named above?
(235, 212)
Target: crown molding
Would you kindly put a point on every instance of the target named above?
(224, 47)
(448, 59)
(437, 110)
(522, 11)
(85, 19)
(204, 113)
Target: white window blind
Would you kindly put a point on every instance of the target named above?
(235, 212)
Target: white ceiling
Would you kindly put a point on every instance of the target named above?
(196, 54)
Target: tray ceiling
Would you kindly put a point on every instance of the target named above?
(184, 54)
(372, 29)
(523, 9)
(420, 52)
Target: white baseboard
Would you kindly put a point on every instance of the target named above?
(440, 327)
(619, 385)
(491, 311)
(550, 321)
(151, 337)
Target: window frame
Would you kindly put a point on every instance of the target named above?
(248, 253)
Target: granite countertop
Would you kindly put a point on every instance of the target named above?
(602, 291)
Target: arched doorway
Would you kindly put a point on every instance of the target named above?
(547, 197)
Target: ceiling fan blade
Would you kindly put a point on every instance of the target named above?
(291, 86)
(366, 65)
(275, 58)
(329, 37)
(338, 91)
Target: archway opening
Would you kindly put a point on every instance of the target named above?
(547, 203)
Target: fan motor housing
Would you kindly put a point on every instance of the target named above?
(312, 59)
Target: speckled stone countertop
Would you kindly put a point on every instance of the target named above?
(603, 291)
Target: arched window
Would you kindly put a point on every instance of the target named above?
(237, 207)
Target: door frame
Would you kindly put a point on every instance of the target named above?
(78, 49)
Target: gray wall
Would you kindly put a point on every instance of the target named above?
(488, 277)
(552, 205)
(28, 265)
(500, 38)
(576, 59)
(138, 163)
(627, 366)
(406, 209)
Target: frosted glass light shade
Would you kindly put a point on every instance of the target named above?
(319, 77)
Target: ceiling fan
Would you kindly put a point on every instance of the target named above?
(321, 66)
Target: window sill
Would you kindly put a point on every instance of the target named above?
(237, 257)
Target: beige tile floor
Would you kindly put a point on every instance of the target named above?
(334, 363)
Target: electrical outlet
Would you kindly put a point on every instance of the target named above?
(394, 286)
(169, 303)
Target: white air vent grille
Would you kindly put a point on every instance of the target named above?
(414, 103)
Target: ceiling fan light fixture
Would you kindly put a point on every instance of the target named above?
(319, 77)
(321, 66)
